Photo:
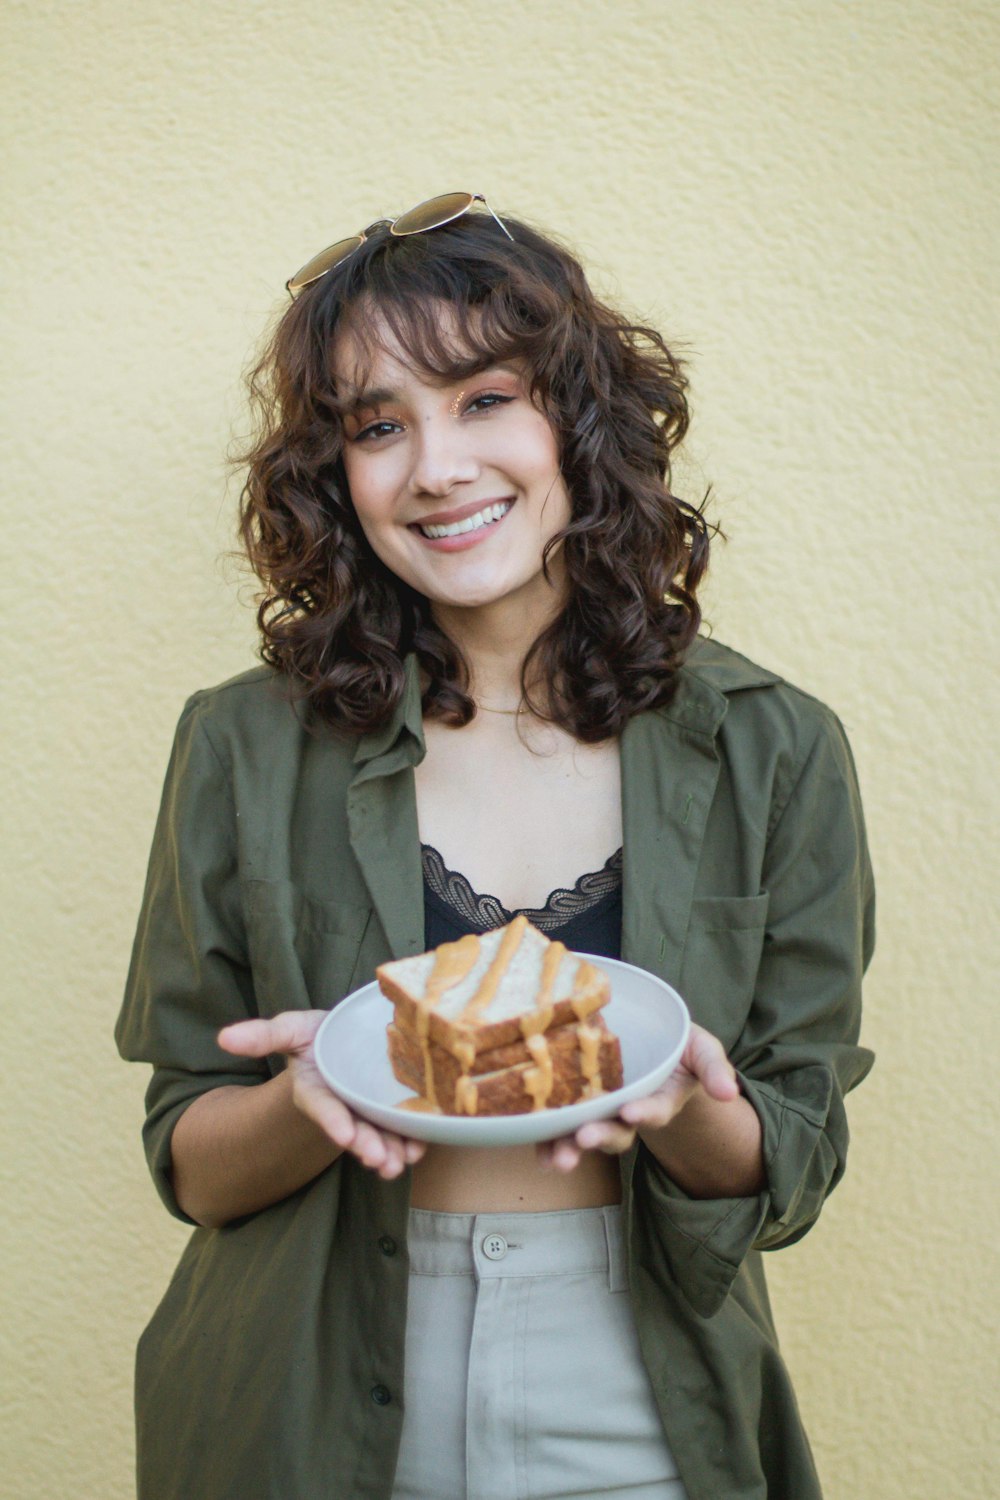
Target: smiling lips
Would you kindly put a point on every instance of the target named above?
(464, 528)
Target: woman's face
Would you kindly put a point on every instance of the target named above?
(456, 485)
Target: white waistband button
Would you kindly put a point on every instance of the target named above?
(494, 1247)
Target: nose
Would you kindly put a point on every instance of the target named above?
(442, 458)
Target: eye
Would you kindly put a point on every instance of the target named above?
(487, 401)
(374, 431)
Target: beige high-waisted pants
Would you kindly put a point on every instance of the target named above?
(524, 1379)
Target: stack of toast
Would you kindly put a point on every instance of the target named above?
(500, 1024)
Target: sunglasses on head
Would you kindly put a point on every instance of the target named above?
(431, 214)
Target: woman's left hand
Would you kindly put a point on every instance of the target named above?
(703, 1065)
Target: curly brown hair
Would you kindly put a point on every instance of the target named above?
(339, 623)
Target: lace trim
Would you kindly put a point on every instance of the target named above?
(486, 911)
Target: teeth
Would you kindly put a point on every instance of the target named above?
(482, 518)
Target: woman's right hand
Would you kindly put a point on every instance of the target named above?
(292, 1034)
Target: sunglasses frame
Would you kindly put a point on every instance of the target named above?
(328, 260)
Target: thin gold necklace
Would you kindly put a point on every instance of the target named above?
(510, 713)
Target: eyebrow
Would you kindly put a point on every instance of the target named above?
(377, 396)
(385, 396)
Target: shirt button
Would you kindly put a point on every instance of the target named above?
(387, 1244)
(380, 1395)
(494, 1247)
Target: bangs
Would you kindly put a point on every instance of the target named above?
(446, 341)
(452, 302)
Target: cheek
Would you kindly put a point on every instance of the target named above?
(369, 494)
(537, 451)
(549, 480)
(546, 450)
(378, 533)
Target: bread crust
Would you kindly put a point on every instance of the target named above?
(503, 1090)
(510, 1054)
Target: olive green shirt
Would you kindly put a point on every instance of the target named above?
(285, 866)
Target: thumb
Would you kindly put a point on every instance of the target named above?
(291, 1031)
(706, 1058)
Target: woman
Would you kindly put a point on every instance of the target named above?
(485, 693)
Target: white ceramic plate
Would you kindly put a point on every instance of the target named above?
(647, 1015)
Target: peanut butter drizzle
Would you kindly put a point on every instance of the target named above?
(540, 1019)
(488, 985)
(585, 1005)
(463, 1048)
(538, 1080)
(466, 1095)
(452, 961)
(418, 1105)
(589, 1039)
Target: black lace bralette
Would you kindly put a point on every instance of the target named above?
(483, 912)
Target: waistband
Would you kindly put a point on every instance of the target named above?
(565, 1243)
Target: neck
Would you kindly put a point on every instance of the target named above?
(495, 641)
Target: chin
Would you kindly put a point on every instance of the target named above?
(468, 599)
(468, 592)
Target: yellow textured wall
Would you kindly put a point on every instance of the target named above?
(799, 193)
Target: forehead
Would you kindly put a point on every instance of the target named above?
(431, 345)
(359, 364)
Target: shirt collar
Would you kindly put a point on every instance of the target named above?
(709, 674)
(403, 732)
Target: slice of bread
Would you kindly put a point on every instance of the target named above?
(508, 1006)
(487, 990)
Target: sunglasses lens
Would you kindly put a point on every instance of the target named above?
(433, 213)
(325, 261)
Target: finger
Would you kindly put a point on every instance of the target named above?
(661, 1106)
(369, 1145)
(394, 1164)
(707, 1060)
(397, 1158)
(543, 1155)
(291, 1031)
(327, 1111)
(613, 1137)
(565, 1154)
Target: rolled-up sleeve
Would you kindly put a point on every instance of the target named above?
(798, 1053)
(189, 974)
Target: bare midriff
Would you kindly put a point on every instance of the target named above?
(508, 1179)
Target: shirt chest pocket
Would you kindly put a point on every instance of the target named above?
(304, 951)
(721, 957)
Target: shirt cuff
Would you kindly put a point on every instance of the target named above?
(703, 1241)
(804, 1142)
